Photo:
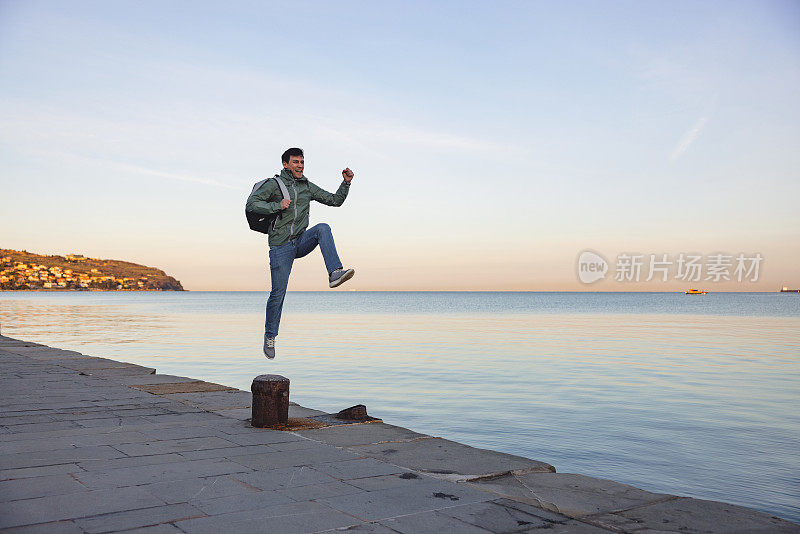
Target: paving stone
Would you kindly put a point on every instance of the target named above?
(429, 522)
(694, 516)
(73, 505)
(418, 484)
(149, 401)
(13, 342)
(120, 371)
(359, 468)
(50, 403)
(29, 488)
(56, 385)
(147, 474)
(30, 446)
(183, 432)
(177, 491)
(443, 456)
(149, 410)
(569, 494)
(375, 483)
(420, 497)
(264, 437)
(119, 397)
(165, 387)
(28, 472)
(178, 409)
(59, 456)
(533, 510)
(137, 518)
(37, 427)
(173, 445)
(50, 434)
(214, 400)
(134, 381)
(56, 527)
(166, 528)
(361, 434)
(494, 517)
(113, 422)
(243, 414)
(103, 413)
(284, 478)
(372, 528)
(118, 463)
(196, 418)
(312, 456)
(83, 364)
(22, 410)
(238, 503)
(48, 354)
(228, 452)
(303, 523)
(235, 426)
(26, 419)
(159, 426)
(294, 445)
(128, 397)
(252, 520)
(313, 492)
(576, 527)
(38, 402)
(300, 411)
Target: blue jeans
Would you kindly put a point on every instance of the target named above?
(281, 259)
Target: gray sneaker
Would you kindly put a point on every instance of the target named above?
(269, 347)
(340, 276)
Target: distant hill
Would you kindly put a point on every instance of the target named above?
(25, 270)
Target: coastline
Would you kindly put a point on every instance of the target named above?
(65, 290)
(379, 476)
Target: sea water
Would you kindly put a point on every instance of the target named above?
(696, 395)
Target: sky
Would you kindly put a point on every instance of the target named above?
(492, 142)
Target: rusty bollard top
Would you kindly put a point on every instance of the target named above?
(268, 378)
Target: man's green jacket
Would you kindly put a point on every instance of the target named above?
(292, 221)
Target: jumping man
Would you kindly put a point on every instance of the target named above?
(290, 237)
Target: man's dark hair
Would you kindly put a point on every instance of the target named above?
(291, 152)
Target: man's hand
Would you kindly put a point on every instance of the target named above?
(347, 174)
(285, 203)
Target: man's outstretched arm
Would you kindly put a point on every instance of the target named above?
(332, 199)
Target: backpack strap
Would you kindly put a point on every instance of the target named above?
(281, 185)
(284, 191)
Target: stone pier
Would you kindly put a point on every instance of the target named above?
(93, 445)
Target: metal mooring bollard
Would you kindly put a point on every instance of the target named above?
(270, 400)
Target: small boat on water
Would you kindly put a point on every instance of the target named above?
(785, 289)
(695, 292)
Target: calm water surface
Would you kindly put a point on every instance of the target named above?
(693, 395)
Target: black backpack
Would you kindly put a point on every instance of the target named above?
(258, 221)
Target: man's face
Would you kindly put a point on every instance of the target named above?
(295, 166)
